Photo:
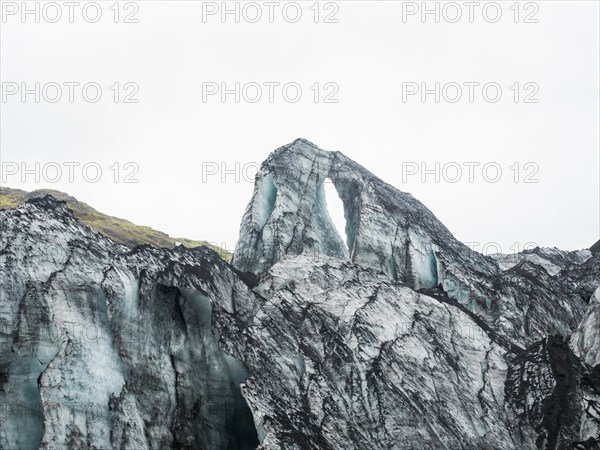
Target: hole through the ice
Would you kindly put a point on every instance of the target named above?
(331, 221)
(335, 206)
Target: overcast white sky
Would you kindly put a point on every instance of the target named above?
(368, 54)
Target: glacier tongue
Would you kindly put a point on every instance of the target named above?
(399, 338)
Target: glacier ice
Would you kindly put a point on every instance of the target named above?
(404, 338)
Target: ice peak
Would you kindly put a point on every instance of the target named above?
(303, 141)
(385, 228)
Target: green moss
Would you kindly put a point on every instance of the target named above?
(6, 201)
(119, 230)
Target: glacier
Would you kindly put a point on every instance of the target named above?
(391, 335)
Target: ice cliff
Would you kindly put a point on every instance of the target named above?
(394, 336)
